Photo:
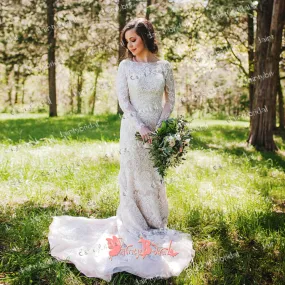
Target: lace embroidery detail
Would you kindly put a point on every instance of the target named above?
(169, 96)
(123, 96)
(145, 82)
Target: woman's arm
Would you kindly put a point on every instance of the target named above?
(169, 95)
(123, 96)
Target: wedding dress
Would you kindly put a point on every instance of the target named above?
(137, 239)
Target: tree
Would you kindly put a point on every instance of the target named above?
(21, 44)
(51, 57)
(270, 21)
(280, 103)
(250, 32)
(122, 19)
(280, 92)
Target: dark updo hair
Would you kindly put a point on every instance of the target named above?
(144, 29)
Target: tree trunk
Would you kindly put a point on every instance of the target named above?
(148, 3)
(17, 80)
(250, 27)
(51, 58)
(7, 73)
(269, 19)
(23, 89)
(71, 103)
(94, 92)
(274, 102)
(122, 21)
(79, 90)
(281, 104)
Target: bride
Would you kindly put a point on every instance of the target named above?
(137, 239)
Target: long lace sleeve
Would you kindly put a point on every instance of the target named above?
(123, 97)
(169, 95)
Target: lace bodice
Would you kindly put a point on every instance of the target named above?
(140, 87)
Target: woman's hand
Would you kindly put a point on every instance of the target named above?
(145, 134)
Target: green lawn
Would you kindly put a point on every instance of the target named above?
(228, 196)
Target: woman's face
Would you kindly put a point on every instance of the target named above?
(134, 42)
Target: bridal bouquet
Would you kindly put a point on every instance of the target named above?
(169, 143)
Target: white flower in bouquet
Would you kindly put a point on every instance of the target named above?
(171, 141)
(187, 142)
(177, 137)
(168, 138)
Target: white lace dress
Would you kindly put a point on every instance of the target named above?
(145, 246)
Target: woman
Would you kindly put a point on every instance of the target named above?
(137, 239)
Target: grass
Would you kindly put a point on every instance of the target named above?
(229, 197)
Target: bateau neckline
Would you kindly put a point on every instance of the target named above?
(131, 60)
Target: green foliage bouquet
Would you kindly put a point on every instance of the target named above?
(169, 143)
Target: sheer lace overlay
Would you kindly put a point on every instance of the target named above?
(169, 95)
(143, 208)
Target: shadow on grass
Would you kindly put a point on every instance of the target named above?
(224, 133)
(101, 127)
(279, 133)
(238, 256)
(217, 134)
(25, 257)
(270, 159)
(228, 134)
